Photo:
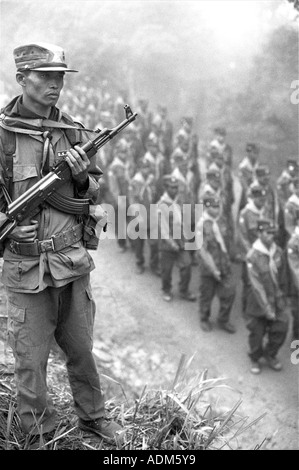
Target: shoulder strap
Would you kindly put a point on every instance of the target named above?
(8, 144)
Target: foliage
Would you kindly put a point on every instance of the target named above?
(178, 418)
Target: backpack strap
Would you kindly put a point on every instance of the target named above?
(8, 144)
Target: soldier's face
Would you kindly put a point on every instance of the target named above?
(172, 191)
(267, 238)
(41, 90)
(213, 211)
(259, 202)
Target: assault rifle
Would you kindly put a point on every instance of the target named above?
(28, 204)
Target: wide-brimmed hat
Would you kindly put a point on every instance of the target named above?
(41, 57)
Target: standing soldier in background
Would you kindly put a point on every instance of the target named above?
(286, 180)
(172, 242)
(272, 209)
(157, 161)
(246, 170)
(144, 120)
(265, 317)
(290, 209)
(142, 192)
(248, 219)
(293, 285)
(166, 131)
(214, 267)
(118, 180)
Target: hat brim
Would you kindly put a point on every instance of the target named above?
(52, 69)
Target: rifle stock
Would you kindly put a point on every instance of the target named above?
(45, 189)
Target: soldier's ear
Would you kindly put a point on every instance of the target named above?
(21, 78)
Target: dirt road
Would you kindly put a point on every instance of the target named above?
(141, 339)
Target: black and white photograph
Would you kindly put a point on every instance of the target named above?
(149, 227)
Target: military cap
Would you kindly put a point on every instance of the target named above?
(220, 131)
(292, 163)
(40, 57)
(256, 190)
(170, 181)
(213, 173)
(210, 201)
(152, 139)
(252, 147)
(266, 225)
(262, 170)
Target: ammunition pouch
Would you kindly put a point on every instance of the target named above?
(93, 224)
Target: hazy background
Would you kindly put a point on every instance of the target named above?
(224, 62)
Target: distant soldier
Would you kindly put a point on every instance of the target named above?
(166, 130)
(157, 161)
(214, 268)
(184, 133)
(172, 242)
(219, 143)
(265, 317)
(212, 186)
(246, 170)
(118, 180)
(248, 219)
(293, 265)
(144, 121)
(290, 209)
(285, 182)
(227, 197)
(272, 210)
(142, 193)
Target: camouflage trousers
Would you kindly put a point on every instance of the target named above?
(66, 314)
(225, 290)
(261, 329)
(183, 261)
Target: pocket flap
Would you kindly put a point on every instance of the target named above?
(17, 313)
(22, 172)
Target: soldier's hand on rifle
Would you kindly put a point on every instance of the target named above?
(25, 233)
(78, 163)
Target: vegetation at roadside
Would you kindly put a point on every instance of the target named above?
(176, 418)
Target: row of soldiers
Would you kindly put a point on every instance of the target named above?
(151, 165)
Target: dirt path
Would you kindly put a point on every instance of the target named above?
(141, 339)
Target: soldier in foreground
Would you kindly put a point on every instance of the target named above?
(46, 268)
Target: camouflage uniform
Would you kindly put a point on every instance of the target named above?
(246, 171)
(214, 268)
(285, 182)
(290, 209)
(142, 193)
(293, 265)
(48, 280)
(272, 210)
(118, 180)
(265, 298)
(172, 243)
(248, 219)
